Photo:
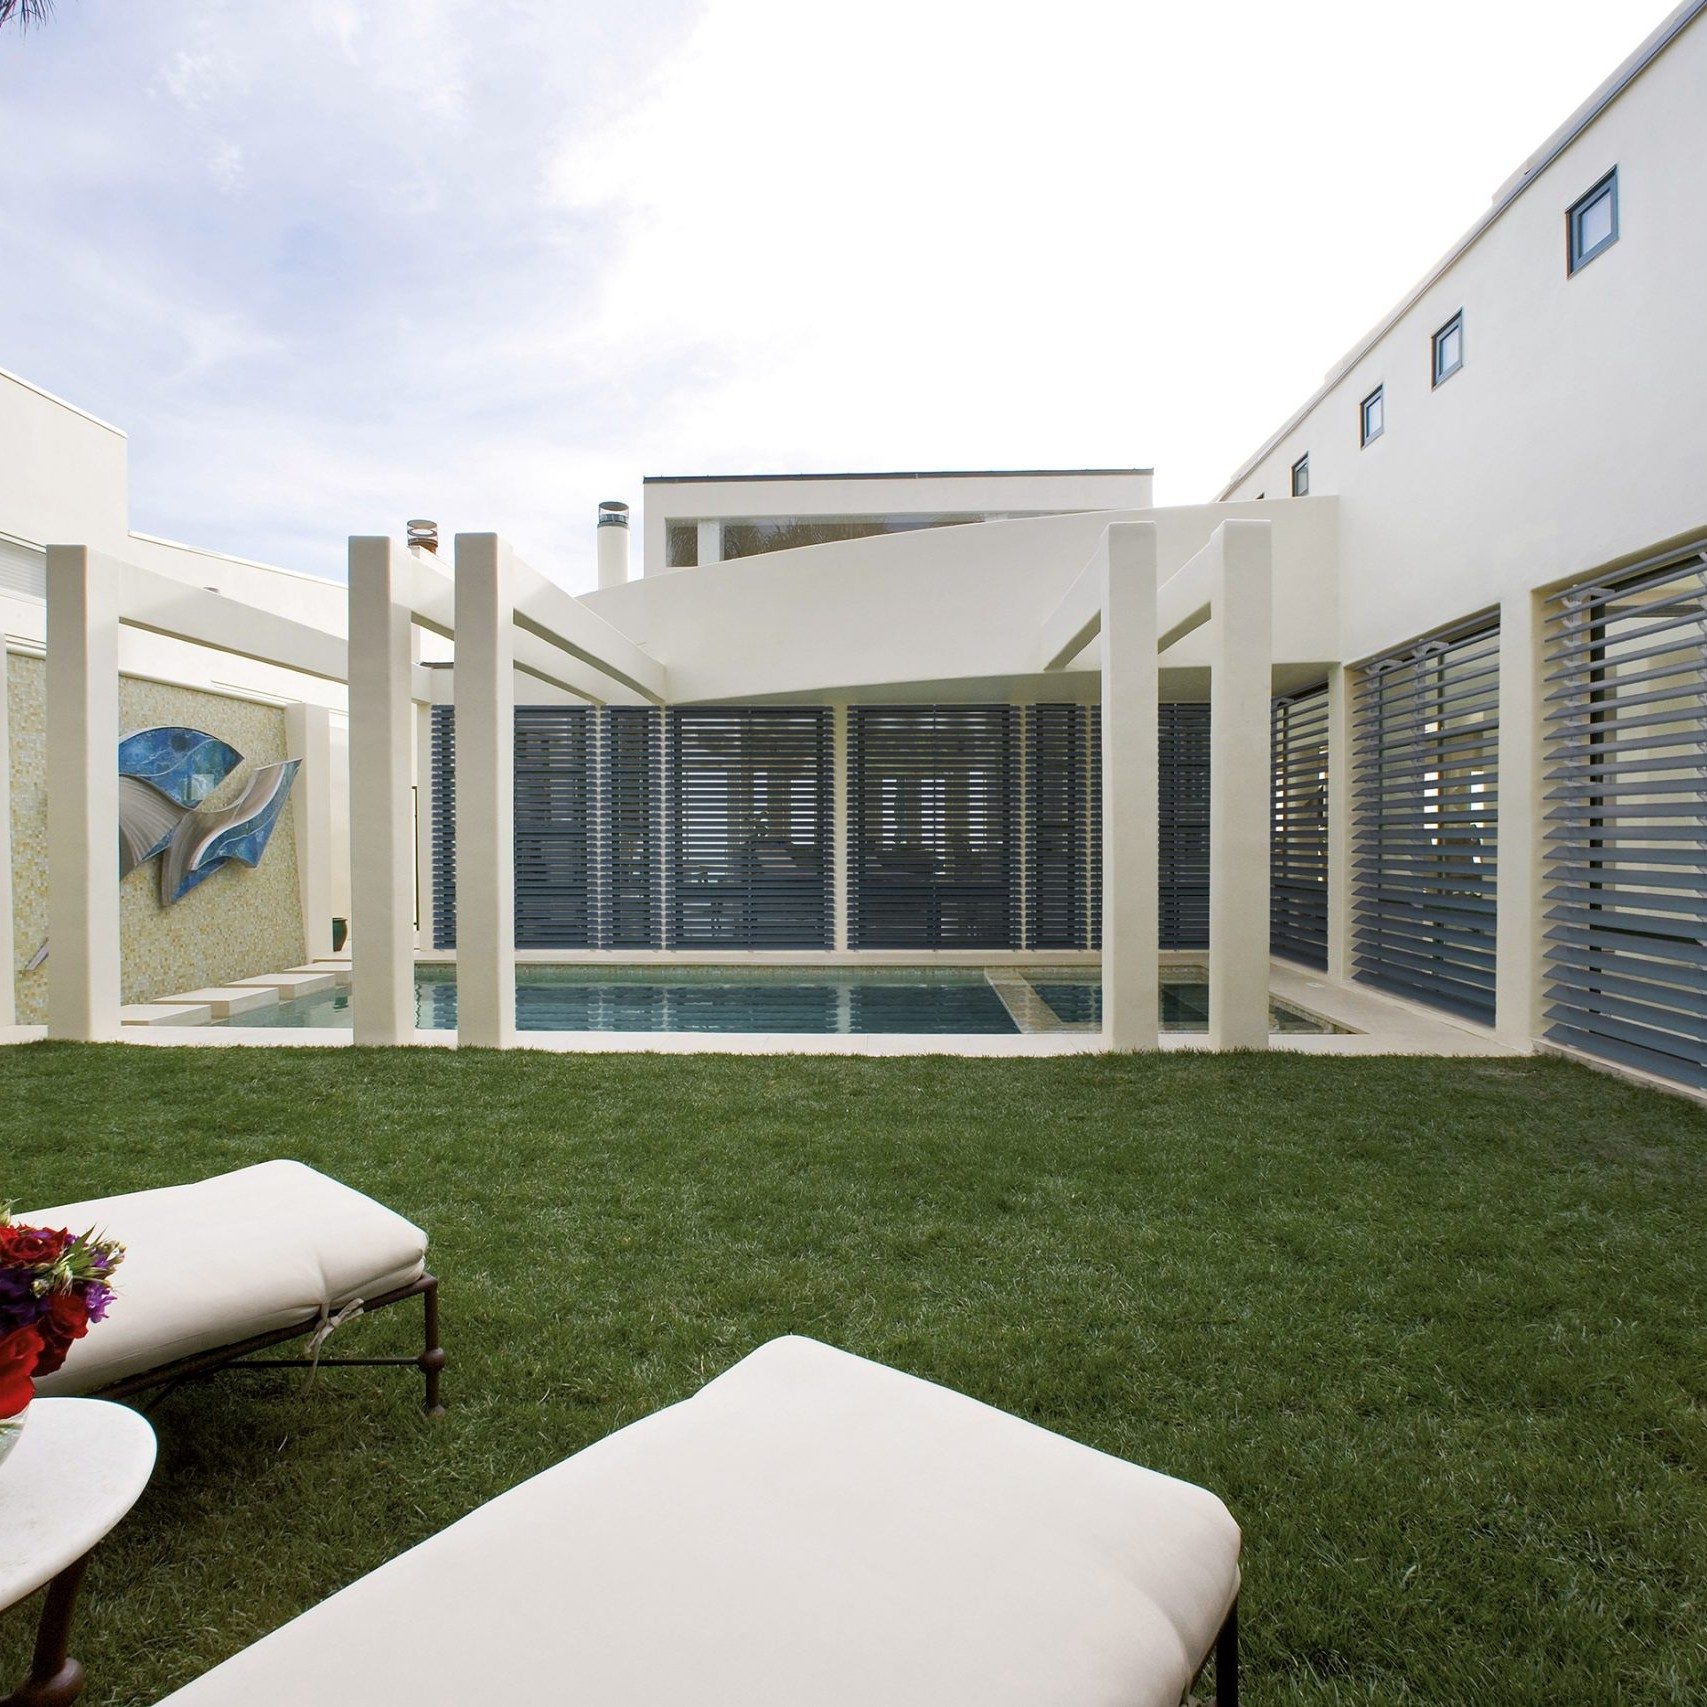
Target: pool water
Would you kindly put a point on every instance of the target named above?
(1185, 1007)
(946, 1002)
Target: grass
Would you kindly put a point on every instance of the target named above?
(1432, 1329)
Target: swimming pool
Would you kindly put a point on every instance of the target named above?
(826, 1001)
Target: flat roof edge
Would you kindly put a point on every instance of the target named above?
(1656, 42)
(896, 474)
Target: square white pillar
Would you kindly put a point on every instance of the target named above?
(1240, 556)
(82, 796)
(1520, 923)
(1342, 880)
(382, 842)
(1131, 960)
(308, 733)
(485, 793)
(8, 945)
(710, 543)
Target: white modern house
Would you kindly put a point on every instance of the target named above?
(1401, 732)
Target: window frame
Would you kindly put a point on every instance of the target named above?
(1439, 375)
(1378, 396)
(1301, 472)
(1576, 256)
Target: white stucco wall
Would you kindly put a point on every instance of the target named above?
(1573, 435)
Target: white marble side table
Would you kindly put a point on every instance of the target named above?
(78, 1467)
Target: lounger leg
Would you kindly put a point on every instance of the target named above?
(432, 1358)
(55, 1679)
(1227, 1660)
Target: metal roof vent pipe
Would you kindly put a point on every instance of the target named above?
(613, 543)
(424, 536)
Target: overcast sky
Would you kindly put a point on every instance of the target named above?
(334, 263)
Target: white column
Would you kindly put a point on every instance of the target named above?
(1131, 964)
(710, 543)
(1519, 941)
(1342, 878)
(485, 793)
(839, 823)
(382, 852)
(308, 732)
(82, 797)
(8, 946)
(424, 808)
(1240, 669)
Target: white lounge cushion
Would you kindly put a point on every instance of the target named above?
(809, 1530)
(242, 1253)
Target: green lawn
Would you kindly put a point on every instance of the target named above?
(1432, 1329)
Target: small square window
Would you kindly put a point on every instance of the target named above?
(1301, 477)
(1592, 224)
(1372, 416)
(1449, 348)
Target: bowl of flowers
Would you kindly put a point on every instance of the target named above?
(53, 1284)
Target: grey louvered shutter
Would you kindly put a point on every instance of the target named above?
(630, 911)
(1057, 801)
(1183, 825)
(750, 827)
(1626, 817)
(444, 825)
(1298, 845)
(933, 824)
(556, 769)
(1426, 788)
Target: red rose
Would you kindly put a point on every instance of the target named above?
(67, 1319)
(18, 1353)
(32, 1247)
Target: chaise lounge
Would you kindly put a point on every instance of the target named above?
(809, 1528)
(217, 1270)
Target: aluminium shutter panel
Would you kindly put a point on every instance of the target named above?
(556, 772)
(934, 824)
(1183, 825)
(1298, 845)
(631, 829)
(750, 827)
(1057, 799)
(444, 825)
(1625, 817)
(1425, 788)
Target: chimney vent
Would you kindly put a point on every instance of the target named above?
(424, 536)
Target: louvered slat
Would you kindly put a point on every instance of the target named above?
(1626, 821)
(1183, 825)
(556, 769)
(1425, 731)
(630, 911)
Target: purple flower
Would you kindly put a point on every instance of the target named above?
(97, 1295)
(20, 1305)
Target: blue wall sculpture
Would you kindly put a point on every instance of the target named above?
(164, 776)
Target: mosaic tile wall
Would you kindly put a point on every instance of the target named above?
(237, 924)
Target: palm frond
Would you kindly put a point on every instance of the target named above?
(27, 12)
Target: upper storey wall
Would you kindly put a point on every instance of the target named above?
(1573, 433)
(703, 500)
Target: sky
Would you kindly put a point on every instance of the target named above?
(335, 263)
